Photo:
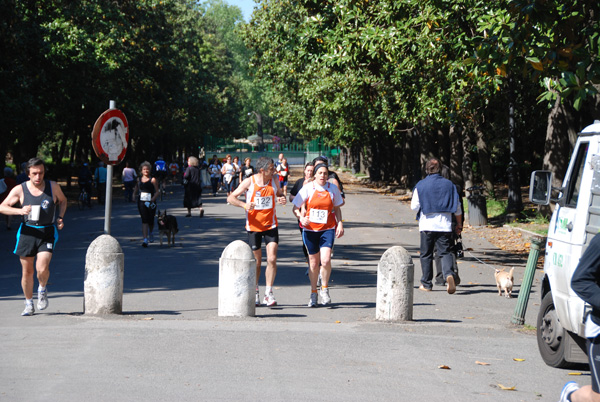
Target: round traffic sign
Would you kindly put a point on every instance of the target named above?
(110, 137)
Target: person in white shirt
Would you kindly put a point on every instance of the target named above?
(436, 199)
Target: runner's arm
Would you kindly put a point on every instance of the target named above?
(15, 195)
(156, 192)
(339, 228)
(233, 197)
(61, 201)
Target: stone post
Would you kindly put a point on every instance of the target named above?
(103, 283)
(395, 277)
(237, 281)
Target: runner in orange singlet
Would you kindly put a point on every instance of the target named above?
(261, 190)
(322, 223)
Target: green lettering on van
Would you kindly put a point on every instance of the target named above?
(563, 222)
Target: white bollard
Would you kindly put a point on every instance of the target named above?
(237, 281)
(395, 277)
(103, 284)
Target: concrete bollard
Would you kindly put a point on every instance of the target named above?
(395, 277)
(237, 281)
(103, 284)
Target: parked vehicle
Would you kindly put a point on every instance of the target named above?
(575, 221)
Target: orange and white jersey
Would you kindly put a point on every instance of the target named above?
(320, 202)
(262, 217)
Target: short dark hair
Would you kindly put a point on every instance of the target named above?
(433, 166)
(34, 162)
(321, 158)
(319, 166)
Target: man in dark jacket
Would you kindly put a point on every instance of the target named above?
(437, 199)
(585, 282)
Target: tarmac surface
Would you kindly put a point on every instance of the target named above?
(170, 344)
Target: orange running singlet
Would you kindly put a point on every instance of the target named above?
(262, 217)
(319, 209)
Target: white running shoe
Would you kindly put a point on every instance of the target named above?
(29, 310)
(257, 300)
(269, 300)
(325, 299)
(567, 390)
(313, 300)
(42, 300)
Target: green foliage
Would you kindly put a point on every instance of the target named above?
(160, 60)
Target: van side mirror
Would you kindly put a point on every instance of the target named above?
(540, 187)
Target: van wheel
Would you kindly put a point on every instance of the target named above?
(551, 335)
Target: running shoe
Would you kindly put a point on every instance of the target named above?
(319, 281)
(201, 213)
(325, 299)
(269, 300)
(313, 300)
(29, 310)
(567, 390)
(145, 243)
(42, 300)
(151, 239)
(257, 300)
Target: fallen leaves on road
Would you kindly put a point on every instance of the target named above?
(518, 360)
(444, 367)
(482, 363)
(502, 387)
(574, 373)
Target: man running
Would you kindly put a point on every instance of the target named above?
(261, 220)
(37, 235)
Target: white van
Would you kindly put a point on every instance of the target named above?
(575, 221)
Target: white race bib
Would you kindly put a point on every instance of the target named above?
(248, 172)
(263, 202)
(318, 215)
(145, 196)
(284, 173)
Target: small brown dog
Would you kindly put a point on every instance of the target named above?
(167, 225)
(504, 281)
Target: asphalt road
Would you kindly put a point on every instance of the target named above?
(169, 343)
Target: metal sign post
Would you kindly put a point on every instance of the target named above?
(110, 138)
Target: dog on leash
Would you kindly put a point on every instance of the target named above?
(504, 281)
(167, 225)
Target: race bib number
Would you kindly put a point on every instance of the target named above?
(145, 196)
(248, 172)
(263, 202)
(284, 173)
(318, 215)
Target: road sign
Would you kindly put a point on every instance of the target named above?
(110, 137)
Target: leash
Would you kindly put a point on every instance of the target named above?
(484, 263)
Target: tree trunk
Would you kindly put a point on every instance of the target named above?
(467, 160)
(561, 128)
(483, 156)
(456, 153)
(515, 201)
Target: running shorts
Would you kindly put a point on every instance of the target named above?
(314, 241)
(32, 240)
(255, 238)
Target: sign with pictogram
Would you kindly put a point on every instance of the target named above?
(110, 137)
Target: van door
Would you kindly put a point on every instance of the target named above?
(567, 234)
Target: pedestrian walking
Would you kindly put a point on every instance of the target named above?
(262, 190)
(192, 184)
(436, 199)
(37, 235)
(146, 192)
(318, 208)
(129, 178)
(100, 178)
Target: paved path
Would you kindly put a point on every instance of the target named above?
(170, 344)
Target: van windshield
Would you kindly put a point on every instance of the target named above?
(576, 174)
